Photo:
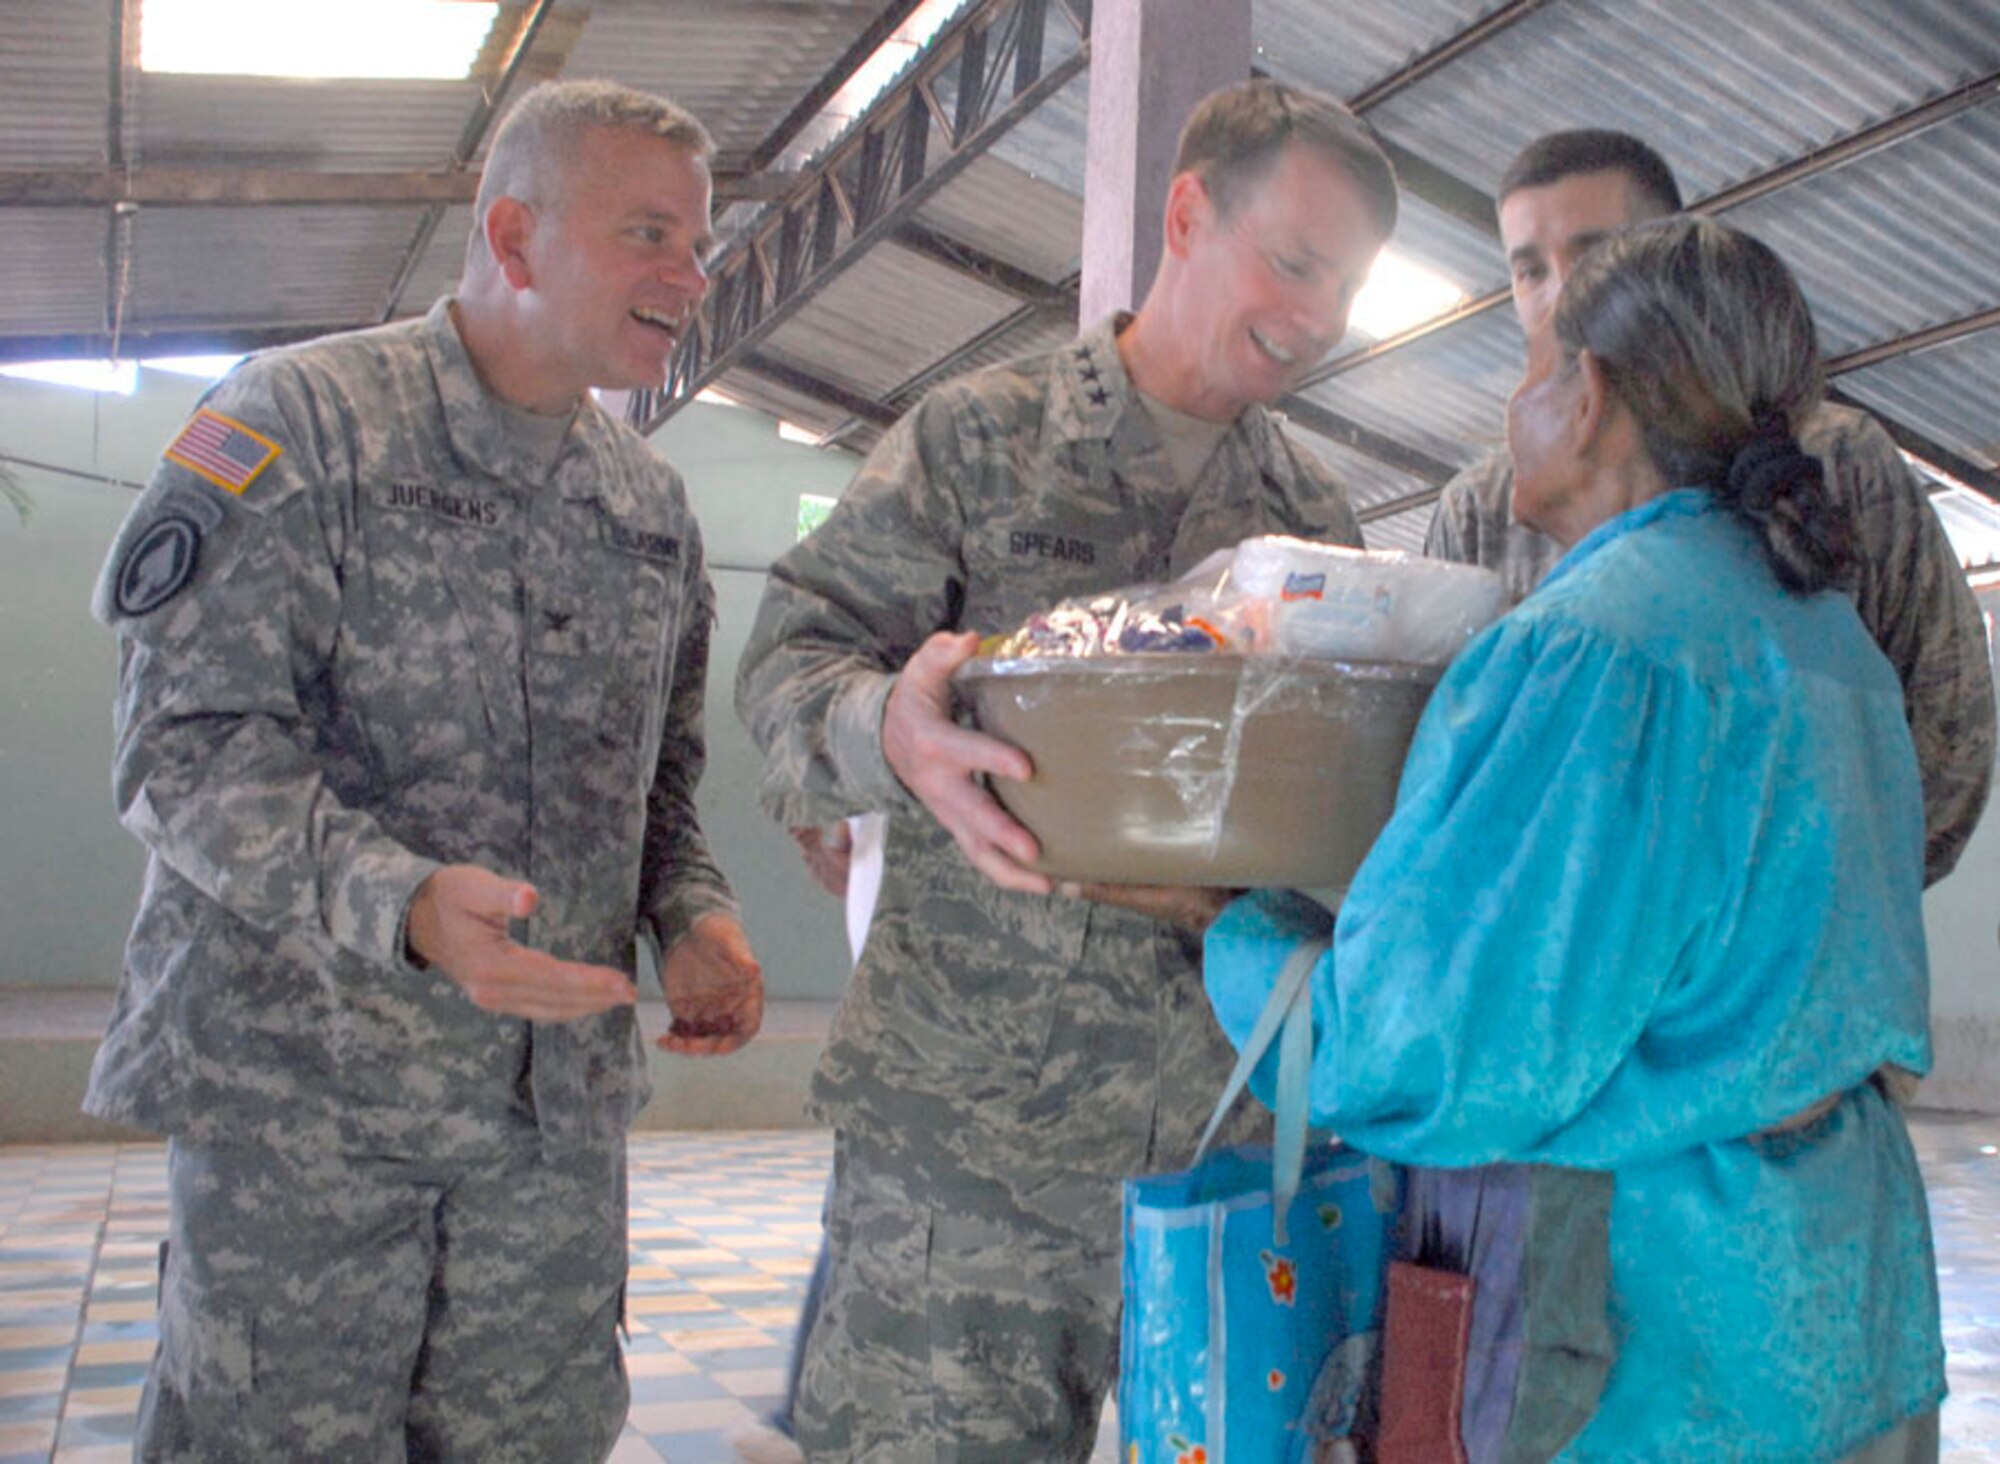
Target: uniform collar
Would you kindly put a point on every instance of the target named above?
(481, 437)
(1093, 400)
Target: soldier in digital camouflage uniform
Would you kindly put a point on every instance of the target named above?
(413, 643)
(1562, 194)
(1004, 1054)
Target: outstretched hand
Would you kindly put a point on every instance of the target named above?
(715, 989)
(941, 763)
(458, 925)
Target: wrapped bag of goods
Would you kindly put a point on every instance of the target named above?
(1184, 734)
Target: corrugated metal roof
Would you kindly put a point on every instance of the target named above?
(291, 122)
(1345, 48)
(739, 66)
(1950, 393)
(1724, 89)
(51, 268)
(1889, 242)
(1001, 211)
(308, 266)
(442, 263)
(1443, 394)
(774, 399)
(55, 69)
(1973, 525)
(1370, 482)
(894, 306)
(1929, 204)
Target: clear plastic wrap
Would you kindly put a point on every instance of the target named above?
(1220, 769)
(1278, 596)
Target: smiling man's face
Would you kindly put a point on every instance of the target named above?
(618, 260)
(1276, 277)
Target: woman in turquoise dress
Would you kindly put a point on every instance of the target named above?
(1650, 900)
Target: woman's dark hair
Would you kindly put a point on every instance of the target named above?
(1704, 336)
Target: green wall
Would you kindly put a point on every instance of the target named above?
(70, 875)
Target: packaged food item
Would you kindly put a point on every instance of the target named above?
(1278, 596)
(1363, 604)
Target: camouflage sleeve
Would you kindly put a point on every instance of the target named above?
(1913, 596)
(1454, 530)
(222, 587)
(679, 879)
(841, 613)
(1325, 511)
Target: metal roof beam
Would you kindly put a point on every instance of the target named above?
(951, 363)
(868, 187)
(118, 222)
(792, 378)
(469, 139)
(1446, 52)
(1981, 479)
(1445, 191)
(1335, 427)
(170, 341)
(978, 265)
(872, 39)
(224, 186)
(1390, 507)
(1916, 340)
(95, 187)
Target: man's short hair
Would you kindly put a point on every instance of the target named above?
(1237, 135)
(1559, 155)
(535, 145)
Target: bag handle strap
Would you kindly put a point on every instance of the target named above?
(1287, 1016)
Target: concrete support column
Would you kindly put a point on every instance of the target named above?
(1150, 62)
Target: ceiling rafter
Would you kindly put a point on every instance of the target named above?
(228, 340)
(117, 222)
(877, 34)
(868, 186)
(474, 132)
(978, 265)
(797, 379)
(196, 187)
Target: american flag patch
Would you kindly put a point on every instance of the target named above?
(226, 453)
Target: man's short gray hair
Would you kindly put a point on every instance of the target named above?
(536, 144)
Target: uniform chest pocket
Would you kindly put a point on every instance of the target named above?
(1016, 569)
(425, 616)
(601, 659)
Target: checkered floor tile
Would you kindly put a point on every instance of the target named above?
(723, 1232)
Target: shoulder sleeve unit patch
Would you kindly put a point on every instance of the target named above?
(223, 451)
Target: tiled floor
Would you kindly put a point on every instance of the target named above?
(723, 1232)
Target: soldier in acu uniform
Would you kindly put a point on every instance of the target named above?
(1004, 1054)
(1565, 192)
(409, 720)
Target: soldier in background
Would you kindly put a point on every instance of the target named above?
(1002, 1057)
(413, 645)
(1564, 193)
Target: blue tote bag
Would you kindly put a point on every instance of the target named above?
(1253, 1281)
